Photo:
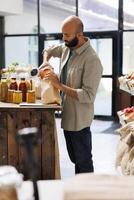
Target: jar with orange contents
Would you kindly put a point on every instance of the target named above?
(31, 96)
(10, 96)
(4, 90)
(17, 96)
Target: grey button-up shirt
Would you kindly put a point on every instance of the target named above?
(83, 73)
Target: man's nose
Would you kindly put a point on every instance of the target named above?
(64, 37)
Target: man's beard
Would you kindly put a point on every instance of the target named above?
(72, 43)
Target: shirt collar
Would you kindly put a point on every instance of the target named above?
(83, 47)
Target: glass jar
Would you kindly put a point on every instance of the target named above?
(10, 96)
(4, 90)
(17, 96)
(0, 90)
(23, 88)
(31, 96)
(28, 84)
(13, 85)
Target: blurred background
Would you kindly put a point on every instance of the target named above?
(32, 25)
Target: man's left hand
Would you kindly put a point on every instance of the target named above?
(51, 76)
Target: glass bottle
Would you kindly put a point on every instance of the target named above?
(23, 88)
(2, 71)
(13, 85)
(4, 90)
(28, 84)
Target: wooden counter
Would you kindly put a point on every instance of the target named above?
(14, 117)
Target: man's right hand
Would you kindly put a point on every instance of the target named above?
(44, 64)
(44, 69)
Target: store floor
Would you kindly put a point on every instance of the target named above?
(105, 142)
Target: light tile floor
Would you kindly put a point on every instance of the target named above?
(104, 140)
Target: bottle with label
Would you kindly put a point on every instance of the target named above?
(4, 90)
(23, 88)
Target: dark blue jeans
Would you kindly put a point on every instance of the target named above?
(79, 146)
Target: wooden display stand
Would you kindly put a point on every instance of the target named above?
(14, 117)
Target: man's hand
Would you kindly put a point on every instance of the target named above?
(43, 69)
(44, 64)
(51, 76)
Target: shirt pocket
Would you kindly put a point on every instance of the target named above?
(75, 77)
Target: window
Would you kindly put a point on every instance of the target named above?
(23, 23)
(128, 14)
(54, 12)
(103, 48)
(128, 52)
(99, 15)
(19, 49)
(103, 101)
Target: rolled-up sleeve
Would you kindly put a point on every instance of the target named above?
(54, 50)
(90, 80)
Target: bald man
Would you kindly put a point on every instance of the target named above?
(80, 75)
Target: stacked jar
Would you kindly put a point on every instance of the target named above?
(16, 91)
(28, 95)
(31, 96)
(13, 86)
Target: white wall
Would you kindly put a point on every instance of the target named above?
(50, 20)
(8, 7)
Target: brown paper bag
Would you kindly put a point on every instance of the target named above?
(49, 94)
(8, 193)
(99, 187)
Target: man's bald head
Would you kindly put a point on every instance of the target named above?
(75, 22)
(72, 30)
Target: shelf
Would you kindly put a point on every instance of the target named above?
(125, 118)
(126, 89)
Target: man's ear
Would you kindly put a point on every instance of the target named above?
(80, 34)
